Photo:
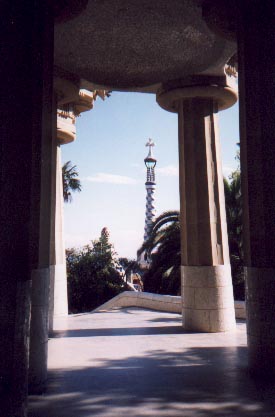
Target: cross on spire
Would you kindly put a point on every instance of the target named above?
(150, 143)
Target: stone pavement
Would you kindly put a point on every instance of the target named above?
(136, 362)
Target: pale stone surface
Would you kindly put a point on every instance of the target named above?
(217, 276)
(133, 362)
(240, 311)
(160, 302)
(223, 94)
(58, 291)
(208, 298)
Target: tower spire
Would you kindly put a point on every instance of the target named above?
(150, 185)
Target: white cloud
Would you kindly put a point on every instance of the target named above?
(105, 178)
(168, 171)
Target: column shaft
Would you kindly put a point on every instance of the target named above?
(41, 273)
(206, 274)
(256, 39)
(25, 112)
(58, 296)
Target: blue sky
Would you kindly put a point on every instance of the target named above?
(109, 153)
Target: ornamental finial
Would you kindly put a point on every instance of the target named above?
(150, 143)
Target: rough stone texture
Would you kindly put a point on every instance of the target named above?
(260, 306)
(131, 43)
(21, 347)
(257, 126)
(208, 303)
(138, 363)
(39, 330)
(25, 129)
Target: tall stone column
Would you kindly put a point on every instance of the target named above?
(41, 275)
(66, 88)
(26, 135)
(207, 293)
(58, 292)
(256, 40)
(71, 101)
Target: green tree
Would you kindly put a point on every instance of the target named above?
(92, 277)
(163, 251)
(71, 183)
(233, 204)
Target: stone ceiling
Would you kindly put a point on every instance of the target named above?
(138, 44)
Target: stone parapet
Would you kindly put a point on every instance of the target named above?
(66, 129)
(159, 302)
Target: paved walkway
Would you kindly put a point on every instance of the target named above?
(136, 363)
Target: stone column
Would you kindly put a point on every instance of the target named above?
(58, 294)
(66, 93)
(207, 293)
(26, 132)
(256, 40)
(41, 275)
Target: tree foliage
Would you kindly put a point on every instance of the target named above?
(163, 250)
(71, 183)
(92, 277)
(233, 204)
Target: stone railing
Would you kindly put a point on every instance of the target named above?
(66, 129)
(169, 303)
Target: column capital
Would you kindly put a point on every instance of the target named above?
(66, 86)
(219, 89)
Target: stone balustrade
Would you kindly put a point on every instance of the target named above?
(169, 303)
(66, 129)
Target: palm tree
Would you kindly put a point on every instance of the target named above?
(71, 183)
(157, 231)
(163, 250)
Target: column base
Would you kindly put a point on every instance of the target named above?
(207, 294)
(39, 330)
(58, 293)
(260, 310)
(60, 290)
